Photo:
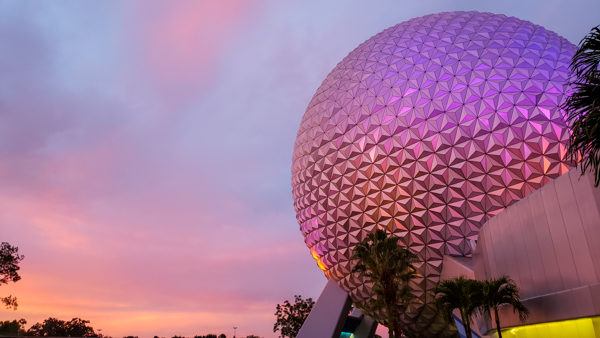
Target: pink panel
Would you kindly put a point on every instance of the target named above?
(552, 277)
(574, 227)
(560, 239)
(587, 202)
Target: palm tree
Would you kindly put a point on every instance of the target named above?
(583, 106)
(390, 268)
(462, 294)
(499, 292)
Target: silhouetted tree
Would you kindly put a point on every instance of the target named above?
(462, 294)
(389, 267)
(290, 317)
(9, 271)
(13, 327)
(222, 335)
(583, 106)
(501, 292)
(75, 327)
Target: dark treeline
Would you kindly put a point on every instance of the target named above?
(75, 327)
(50, 327)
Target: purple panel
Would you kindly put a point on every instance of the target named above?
(427, 130)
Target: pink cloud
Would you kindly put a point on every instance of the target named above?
(179, 45)
(110, 233)
(120, 277)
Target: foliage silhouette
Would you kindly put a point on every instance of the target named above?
(389, 268)
(75, 327)
(583, 106)
(9, 271)
(290, 317)
(13, 327)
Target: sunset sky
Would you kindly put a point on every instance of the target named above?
(146, 150)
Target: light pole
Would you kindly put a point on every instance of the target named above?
(234, 330)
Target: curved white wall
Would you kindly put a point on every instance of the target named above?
(549, 243)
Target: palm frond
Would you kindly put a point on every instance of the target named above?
(388, 267)
(499, 292)
(583, 106)
(587, 57)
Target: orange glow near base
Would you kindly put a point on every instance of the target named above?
(320, 264)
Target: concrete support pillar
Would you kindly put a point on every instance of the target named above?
(367, 326)
(328, 315)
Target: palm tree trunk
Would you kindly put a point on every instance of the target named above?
(497, 322)
(466, 324)
(468, 328)
(390, 321)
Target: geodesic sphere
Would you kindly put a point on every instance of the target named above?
(428, 129)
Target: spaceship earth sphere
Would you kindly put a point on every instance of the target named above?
(427, 130)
